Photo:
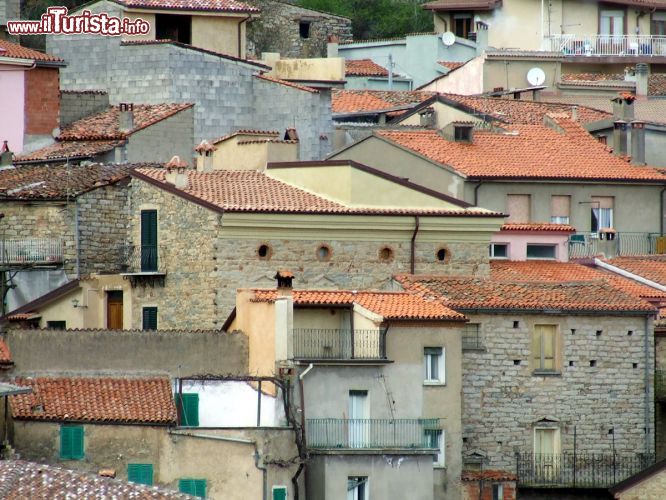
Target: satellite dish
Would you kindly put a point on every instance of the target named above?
(448, 38)
(536, 77)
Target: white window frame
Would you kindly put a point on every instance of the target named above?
(440, 459)
(428, 363)
(351, 495)
(499, 488)
(559, 219)
(492, 250)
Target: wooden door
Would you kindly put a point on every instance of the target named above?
(114, 310)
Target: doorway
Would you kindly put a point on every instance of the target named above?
(114, 310)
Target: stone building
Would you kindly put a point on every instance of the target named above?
(214, 232)
(294, 31)
(9, 10)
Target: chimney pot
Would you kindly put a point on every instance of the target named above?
(177, 172)
(638, 142)
(205, 156)
(6, 155)
(284, 279)
(620, 138)
(642, 75)
(126, 118)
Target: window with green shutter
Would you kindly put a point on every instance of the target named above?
(149, 241)
(188, 408)
(150, 318)
(71, 442)
(194, 487)
(140, 473)
(279, 493)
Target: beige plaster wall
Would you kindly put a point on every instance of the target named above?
(324, 69)
(257, 321)
(443, 116)
(510, 74)
(467, 80)
(219, 34)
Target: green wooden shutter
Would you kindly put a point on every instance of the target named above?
(140, 473)
(195, 487)
(150, 318)
(279, 493)
(148, 240)
(188, 405)
(71, 442)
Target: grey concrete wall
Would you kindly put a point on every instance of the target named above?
(277, 30)
(503, 401)
(164, 139)
(227, 95)
(389, 476)
(178, 353)
(9, 10)
(75, 105)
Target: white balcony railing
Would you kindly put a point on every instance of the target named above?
(31, 251)
(607, 45)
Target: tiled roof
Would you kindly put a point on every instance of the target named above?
(648, 110)
(390, 305)
(287, 84)
(451, 65)
(488, 475)
(592, 77)
(199, 5)
(651, 267)
(466, 293)
(105, 125)
(16, 51)
(253, 191)
(462, 4)
(657, 84)
(109, 400)
(364, 67)
(61, 151)
(21, 480)
(525, 152)
(525, 112)
(354, 101)
(538, 226)
(5, 355)
(42, 182)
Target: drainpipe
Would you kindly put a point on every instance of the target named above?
(264, 472)
(661, 211)
(647, 387)
(77, 239)
(417, 223)
(240, 54)
(476, 194)
(294, 479)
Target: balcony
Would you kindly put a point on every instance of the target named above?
(143, 260)
(370, 434)
(337, 345)
(583, 470)
(660, 385)
(26, 252)
(583, 245)
(607, 45)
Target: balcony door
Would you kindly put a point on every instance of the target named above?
(148, 241)
(359, 413)
(611, 23)
(546, 454)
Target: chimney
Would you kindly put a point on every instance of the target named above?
(205, 156)
(642, 79)
(284, 316)
(6, 156)
(481, 37)
(126, 118)
(332, 47)
(623, 106)
(637, 142)
(107, 473)
(290, 134)
(177, 172)
(620, 138)
(574, 113)
(427, 117)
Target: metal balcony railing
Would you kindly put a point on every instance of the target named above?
(137, 259)
(578, 470)
(31, 251)
(620, 244)
(660, 385)
(371, 434)
(607, 45)
(334, 344)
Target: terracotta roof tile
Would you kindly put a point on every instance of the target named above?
(462, 293)
(354, 101)
(20, 480)
(488, 475)
(364, 67)
(5, 355)
(61, 151)
(199, 5)
(390, 305)
(538, 226)
(30, 182)
(438, 5)
(648, 110)
(287, 84)
(525, 152)
(253, 191)
(451, 65)
(592, 77)
(651, 267)
(118, 400)
(16, 51)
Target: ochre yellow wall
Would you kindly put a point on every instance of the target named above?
(230, 155)
(219, 34)
(324, 69)
(257, 321)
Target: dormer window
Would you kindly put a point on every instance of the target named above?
(462, 132)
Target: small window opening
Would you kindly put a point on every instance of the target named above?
(323, 252)
(599, 332)
(516, 362)
(442, 255)
(635, 365)
(173, 27)
(571, 363)
(304, 29)
(573, 331)
(593, 362)
(630, 333)
(386, 254)
(462, 133)
(516, 324)
(264, 252)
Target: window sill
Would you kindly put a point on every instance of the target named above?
(546, 373)
(439, 467)
(434, 383)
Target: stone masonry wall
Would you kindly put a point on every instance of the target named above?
(103, 214)
(75, 105)
(277, 30)
(226, 93)
(503, 401)
(205, 267)
(164, 139)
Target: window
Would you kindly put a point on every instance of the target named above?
(518, 207)
(194, 487)
(57, 325)
(545, 348)
(140, 473)
(357, 488)
(279, 493)
(433, 362)
(499, 250)
(71, 442)
(150, 318)
(173, 27)
(188, 408)
(602, 139)
(611, 22)
(602, 213)
(471, 338)
(304, 29)
(541, 251)
(264, 251)
(462, 133)
(658, 25)
(434, 438)
(148, 241)
(498, 492)
(323, 252)
(462, 24)
(560, 209)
